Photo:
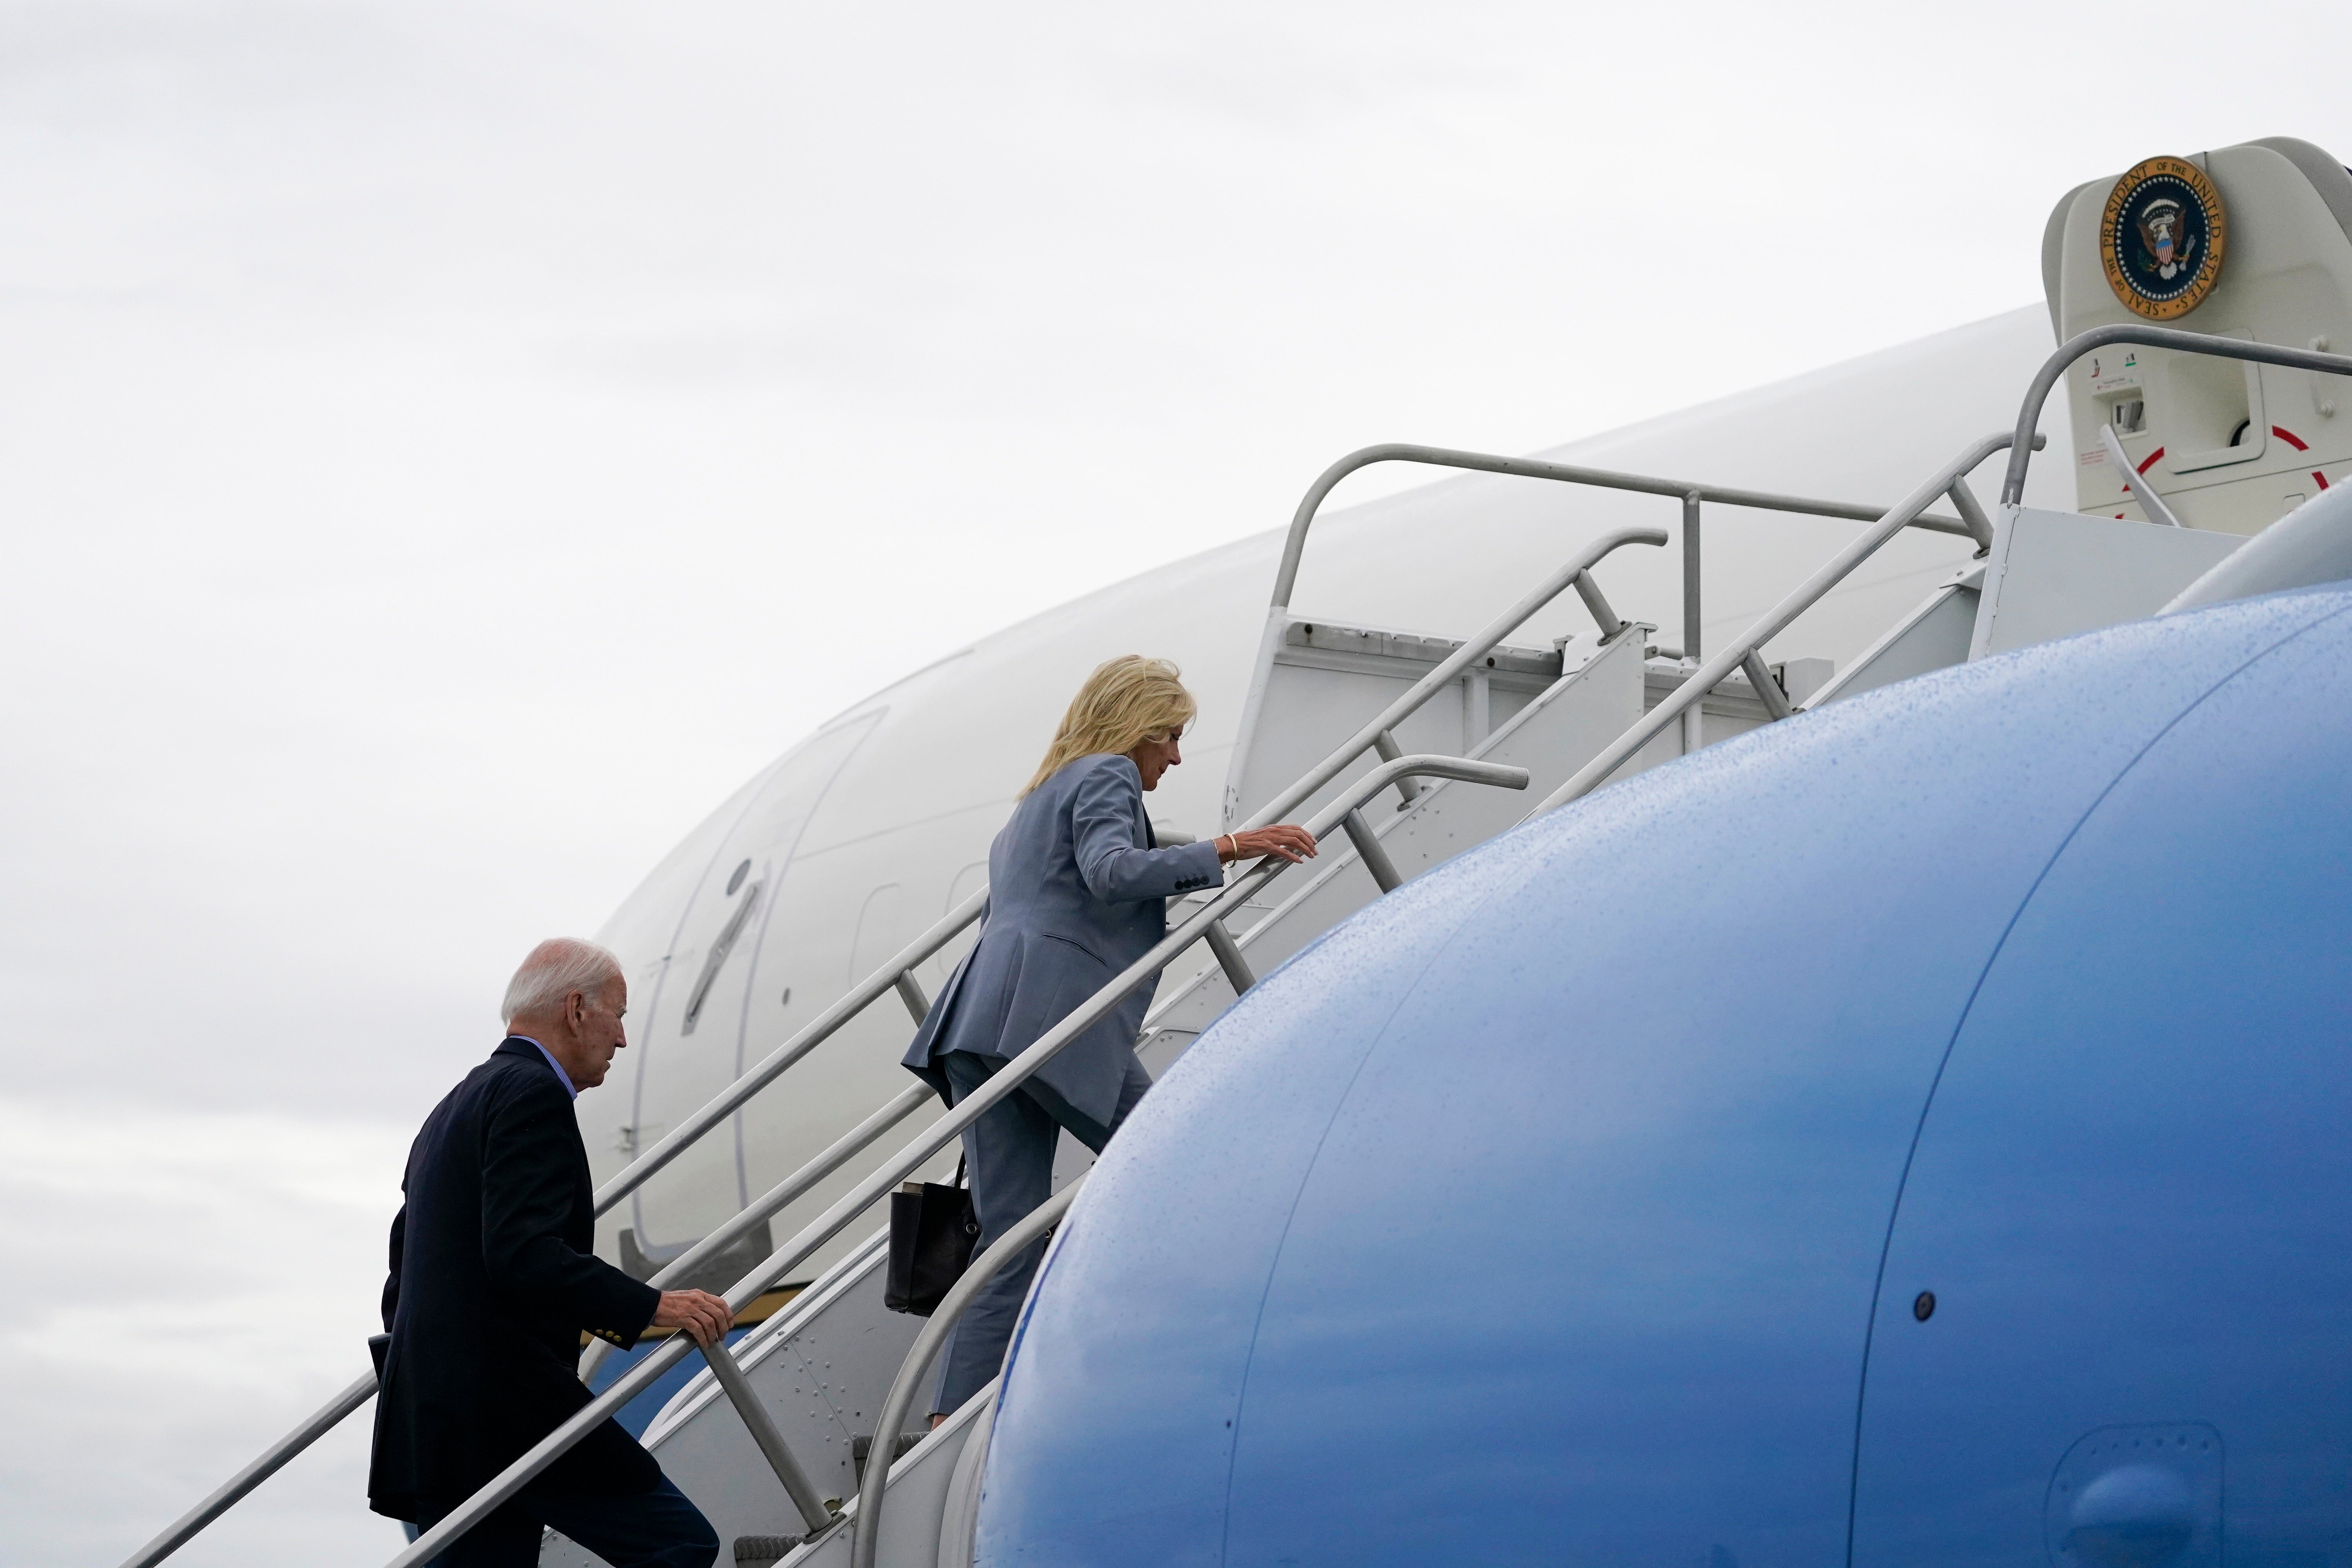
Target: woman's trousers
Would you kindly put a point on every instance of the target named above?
(1009, 1154)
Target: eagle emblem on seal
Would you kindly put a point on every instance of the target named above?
(2159, 230)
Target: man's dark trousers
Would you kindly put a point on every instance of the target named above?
(659, 1529)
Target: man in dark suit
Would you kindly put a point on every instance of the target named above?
(494, 1277)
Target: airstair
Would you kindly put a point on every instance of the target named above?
(1403, 749)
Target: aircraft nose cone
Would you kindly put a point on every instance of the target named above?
(2137, 1516)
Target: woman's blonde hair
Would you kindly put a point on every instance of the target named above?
(1126, 702)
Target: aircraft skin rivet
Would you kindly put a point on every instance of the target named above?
(1923, 1305)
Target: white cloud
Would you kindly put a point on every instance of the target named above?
(200, 1283)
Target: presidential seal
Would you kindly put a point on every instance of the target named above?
(2161, 239)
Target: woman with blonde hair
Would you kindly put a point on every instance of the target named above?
(1077, 891)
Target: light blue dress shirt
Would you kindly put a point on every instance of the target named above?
(561, 1075)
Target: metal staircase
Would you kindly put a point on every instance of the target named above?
(1414, 748)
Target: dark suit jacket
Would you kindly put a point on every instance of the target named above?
(493, 1277)
(1078, 889)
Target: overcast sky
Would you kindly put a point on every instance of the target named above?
(445, 448)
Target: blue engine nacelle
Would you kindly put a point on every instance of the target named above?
(1921, 1130)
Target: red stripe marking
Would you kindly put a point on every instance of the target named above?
(2289, 437)
(2150, 462)
(2320, 477)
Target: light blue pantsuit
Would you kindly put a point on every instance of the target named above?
(1077, 891)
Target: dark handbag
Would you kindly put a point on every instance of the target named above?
(933, 1229)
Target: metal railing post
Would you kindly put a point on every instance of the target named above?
(1964, 502)
(762, 1427)
(910, 992)
(1690, 577)
(1372, 851)
(1768, 691)
(1610, 622)
(1694, 733)
(1385, 743)
(1228, 957)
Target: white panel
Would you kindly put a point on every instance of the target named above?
(2053, 573)
(1933, 636)
(1315, 701)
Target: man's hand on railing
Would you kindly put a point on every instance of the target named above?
(1287, 839)
(698, 1312)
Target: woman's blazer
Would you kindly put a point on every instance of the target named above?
(1078, 889)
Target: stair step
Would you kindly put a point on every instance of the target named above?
(859, 1448)
(764, 1548)
(1383, 642)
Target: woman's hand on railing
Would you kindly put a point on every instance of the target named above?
(698, 1312)
(1287, 840)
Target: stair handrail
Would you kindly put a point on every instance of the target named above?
(1971, 524)
(1293, 544)
(1949, 479)
(874, 1483)
(2029, 412)
(937, 1136)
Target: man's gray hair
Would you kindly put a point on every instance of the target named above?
(555, 969)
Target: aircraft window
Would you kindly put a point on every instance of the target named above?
(736, 880)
